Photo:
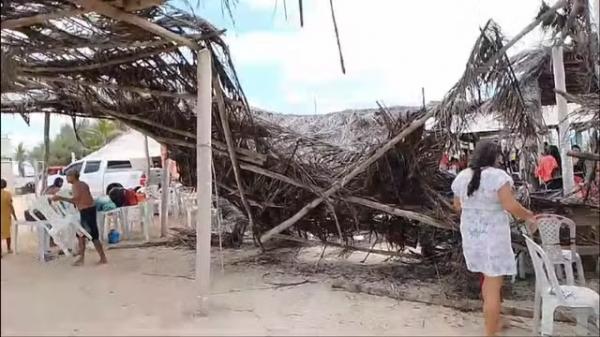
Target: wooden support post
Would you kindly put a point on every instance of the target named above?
(233, 156)
(46, 151)
(203, 178)
(563, 121)
(164, 197)
(148, 160)
(344, 180)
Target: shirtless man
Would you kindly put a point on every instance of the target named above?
(82, 199)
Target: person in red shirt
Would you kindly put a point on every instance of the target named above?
(123, 197)
(548, 166)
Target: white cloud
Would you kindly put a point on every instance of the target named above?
(391, 48)
(261, 4)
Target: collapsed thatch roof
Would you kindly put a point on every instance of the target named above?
(85, 64)
(93, 66)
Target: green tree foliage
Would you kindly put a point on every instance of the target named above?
(20, 158)
(93, 135)
(99, 134)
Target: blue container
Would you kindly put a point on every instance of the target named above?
(114, 236)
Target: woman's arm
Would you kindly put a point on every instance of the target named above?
(511, 205)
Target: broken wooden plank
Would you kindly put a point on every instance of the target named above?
(584, 155)
(416, 124)
(40, 18)
(120, 15)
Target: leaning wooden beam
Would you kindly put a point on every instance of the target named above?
(525, 31)
(355, 200)
(399, 212)
(344, 180)
(584, 155)
(119, 15)
(113, 45)
(40, 18)
(141, 91)
(232, 154)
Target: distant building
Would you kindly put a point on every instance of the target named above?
(6, 148)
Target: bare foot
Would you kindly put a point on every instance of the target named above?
(101, 262)
(9, 251)
(78, 262)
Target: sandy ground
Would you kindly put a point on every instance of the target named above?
(151, 292)
(147, 292)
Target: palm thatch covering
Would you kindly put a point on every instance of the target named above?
(89, 65)
(141, 69)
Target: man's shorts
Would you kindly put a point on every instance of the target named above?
(89, 222)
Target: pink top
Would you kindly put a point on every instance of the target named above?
(546, 167)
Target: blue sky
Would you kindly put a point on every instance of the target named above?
(392, 48)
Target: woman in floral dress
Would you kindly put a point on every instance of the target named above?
(483, 195)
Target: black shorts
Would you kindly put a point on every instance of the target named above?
(89, 222)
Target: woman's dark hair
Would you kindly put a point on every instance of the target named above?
(554, 152)
(2, 183)
(486, 154)
(575, 147)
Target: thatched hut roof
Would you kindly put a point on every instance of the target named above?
(141, 69)
(75, 62)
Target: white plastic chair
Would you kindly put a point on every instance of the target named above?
(61, 228)
(153, 198)
(138, 214)
(106, 219)
(42, 232)
(550, 295)
(72, 219)
(190, 206)
(549, 226)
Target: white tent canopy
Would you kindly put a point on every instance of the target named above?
(489, 122)
(128, 146)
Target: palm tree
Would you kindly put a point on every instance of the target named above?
(100, 133)
(20, 157)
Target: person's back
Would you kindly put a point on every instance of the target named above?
(486, 197)
(84, 198)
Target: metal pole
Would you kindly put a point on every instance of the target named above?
(148, 160)
(164, 198)
(203, 178)
(563, 121)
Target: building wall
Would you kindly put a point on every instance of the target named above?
(6, 148)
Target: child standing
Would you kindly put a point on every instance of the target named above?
(6, 210)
